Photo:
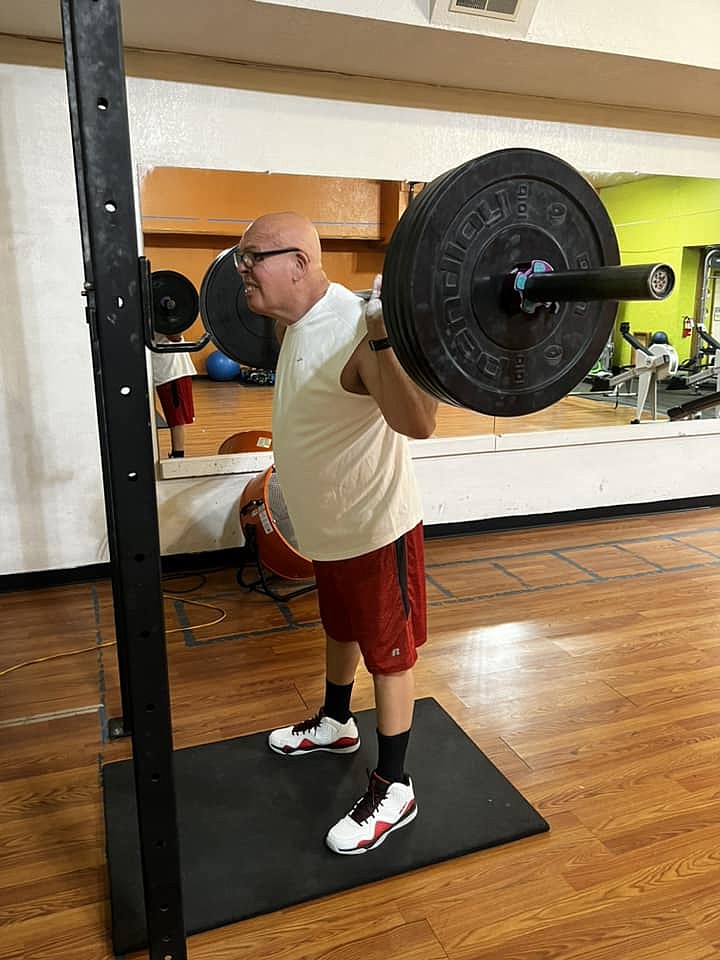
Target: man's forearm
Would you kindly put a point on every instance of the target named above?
(406, 407)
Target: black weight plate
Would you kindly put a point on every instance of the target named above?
(398, 311)
(239, 333)
(426, 373)
(393, 305)
(175, 301)
(487, 217)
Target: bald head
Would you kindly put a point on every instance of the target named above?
(281, 230)
(283, 287)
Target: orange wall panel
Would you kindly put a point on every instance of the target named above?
(224, 202)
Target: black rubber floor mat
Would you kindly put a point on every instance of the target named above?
(252, 824)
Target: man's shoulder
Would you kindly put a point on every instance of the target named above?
(343, 302)
(338, 291)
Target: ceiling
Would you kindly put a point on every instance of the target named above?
(263, 33)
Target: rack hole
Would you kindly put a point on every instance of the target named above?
(120, 302)
(139, 557)
(102, 103)
(110, 206)
(155, 777)
(125, 391)
(132, 475)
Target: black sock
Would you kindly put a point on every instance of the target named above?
(391, 756)
(337, 701)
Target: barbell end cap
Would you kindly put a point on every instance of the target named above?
(661, 281)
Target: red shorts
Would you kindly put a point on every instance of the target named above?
(378, 601)
(176, 400)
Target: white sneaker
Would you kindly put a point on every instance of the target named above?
(384, 807)
(319, 733)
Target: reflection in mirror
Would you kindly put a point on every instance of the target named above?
(660, 355)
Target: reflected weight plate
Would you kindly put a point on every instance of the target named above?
(451, 326)
(240, 334)
(175, 302)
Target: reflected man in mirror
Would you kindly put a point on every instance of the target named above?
(172, 373)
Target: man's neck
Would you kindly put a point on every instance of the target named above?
(311, 296)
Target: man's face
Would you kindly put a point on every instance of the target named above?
(267, 266)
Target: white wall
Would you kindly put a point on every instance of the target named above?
(678, 31)
(50, 482)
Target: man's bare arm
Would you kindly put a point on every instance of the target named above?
(407, 408)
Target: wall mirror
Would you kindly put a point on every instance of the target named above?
(189, 216)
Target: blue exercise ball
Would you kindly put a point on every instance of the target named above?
(220, 367)
(659, 337)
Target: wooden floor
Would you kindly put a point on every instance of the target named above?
(583, 659)
(224, 408)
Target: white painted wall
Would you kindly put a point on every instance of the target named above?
(678, 31)
(50, 481)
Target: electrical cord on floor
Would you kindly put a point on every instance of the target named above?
(111, 643)
(55, 656)
(196, 603)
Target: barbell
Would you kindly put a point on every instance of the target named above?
(500, 286)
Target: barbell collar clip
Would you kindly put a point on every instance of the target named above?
(519, 285)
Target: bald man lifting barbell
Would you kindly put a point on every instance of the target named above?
(500, 288)
(343, 410)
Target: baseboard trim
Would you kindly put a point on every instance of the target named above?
(173, 563)
(497, 524)
(198, 562)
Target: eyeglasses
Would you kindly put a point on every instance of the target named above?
(249, 258)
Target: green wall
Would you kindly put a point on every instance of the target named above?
(659, 219)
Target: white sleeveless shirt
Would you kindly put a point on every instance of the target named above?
(346, 476)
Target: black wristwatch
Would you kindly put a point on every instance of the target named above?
(376, 345)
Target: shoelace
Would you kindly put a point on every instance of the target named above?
(371, 802)
(311, 724)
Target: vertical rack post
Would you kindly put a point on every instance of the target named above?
(115, 314)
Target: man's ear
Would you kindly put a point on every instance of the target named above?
(301, 263)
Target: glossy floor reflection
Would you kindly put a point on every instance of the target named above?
(224, 408)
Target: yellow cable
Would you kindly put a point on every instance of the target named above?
(197, 603)
(55, 656)
(111, 643)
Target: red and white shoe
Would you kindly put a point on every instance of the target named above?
(384, 807)
(319, 733)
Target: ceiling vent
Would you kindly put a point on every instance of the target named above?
(503, 17)
(506, 9)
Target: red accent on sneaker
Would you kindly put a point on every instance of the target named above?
(311, 745)
(380, 829)
(345, 742)
(382, 826)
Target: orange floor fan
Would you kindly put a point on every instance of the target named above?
(270, 544)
